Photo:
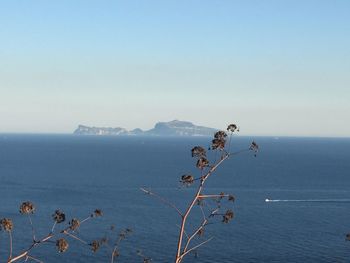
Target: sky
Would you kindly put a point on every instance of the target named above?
(277, 68)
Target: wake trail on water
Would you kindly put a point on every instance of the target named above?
(309, 200)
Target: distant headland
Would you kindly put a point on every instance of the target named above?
(171, 128)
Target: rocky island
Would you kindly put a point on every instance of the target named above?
(171, 128)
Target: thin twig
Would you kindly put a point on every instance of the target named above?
(229, 142)
(32, 226)
(53, 227)
(212, 196)
(75, 237)
(203, 214)
(10, 235)
(47, 238)
(32, 258)
(194, 234)
(165, 201)
(184, 231)
(189, 208)
(84, 220)
(195, 247)
(238, 152)
(34, 244)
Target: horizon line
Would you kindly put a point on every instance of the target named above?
(180, 136)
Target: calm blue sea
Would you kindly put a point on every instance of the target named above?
(78, 174)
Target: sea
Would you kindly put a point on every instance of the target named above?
(306, 182)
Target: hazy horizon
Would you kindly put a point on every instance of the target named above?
(276, 68)
(240, 134)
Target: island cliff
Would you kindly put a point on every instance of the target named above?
(171, 128)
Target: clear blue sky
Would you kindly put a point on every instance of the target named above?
(274, 67)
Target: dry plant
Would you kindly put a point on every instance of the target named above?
(220, 146)
(59, 237)
(187, 242)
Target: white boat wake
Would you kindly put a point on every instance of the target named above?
(308, 200)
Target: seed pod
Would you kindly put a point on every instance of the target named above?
(6, 224)
(59, 216)
(27, 208)
(198, 151)
(62, 245)
(228, 216)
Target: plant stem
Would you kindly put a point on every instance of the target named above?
(179, 257)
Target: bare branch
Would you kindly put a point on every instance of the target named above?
(203, 214)
(73, 236)
(86, 219)
(184, 232)
(238, 152)
(34, 259)
(10, 237)
(32, 226)
(193, 202)
(165, 201)
(53, 227)
(195, 247)
(194, 234)
(213, 196)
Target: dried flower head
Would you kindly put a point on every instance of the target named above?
(59, 216)
(95, 245)
(97, 213)
(62, 245)
(202, 163)
(27, 208)
(220, 135)
(116, 253)
(347, 237)
(218, 144)
(6, 224)
(144, 258)
(231, 198)
(74, 224)
(104, 240)
(125, 233)
(200, 232)
(228, 216)
(254, 147)
(198, 151)
(232, 127)
(187, 179)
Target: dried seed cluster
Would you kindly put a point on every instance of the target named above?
(228, 216)
(59, 216)
(6, 224)
(97, 213)
(202, 163)
(254, 147)
(219, 140)
(74, 224)
(198, 151)
(62, 245)
(187, 179)
(232, 128)
(27, 208)
(95, 245)
(231, 198)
